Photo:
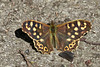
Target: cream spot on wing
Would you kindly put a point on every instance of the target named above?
(72, 36)
(37, 36)
(68, 26)
(40, 26)
(40, 33)
(27, 26)
(78, 23)
(66, 48)
(73, 25)
(41, 46)
(82, 28)
(76, 33)
(31, 24)
(68, 39)
(69, 33)
(70, 45)
(34, 29)
(76, 29)
(41, 40)
(85, 24)
(34, 33)
(36, 25)
(45, 49)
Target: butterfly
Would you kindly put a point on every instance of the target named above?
(63, 37)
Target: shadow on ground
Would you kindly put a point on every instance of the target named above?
(25, 37)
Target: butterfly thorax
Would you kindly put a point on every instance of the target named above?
(52, 28)
(52, 34)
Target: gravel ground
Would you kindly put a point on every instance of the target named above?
(14, 12)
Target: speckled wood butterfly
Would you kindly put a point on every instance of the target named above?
(63, 37)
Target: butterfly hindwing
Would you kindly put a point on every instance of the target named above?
(69, 33)
(40, 34)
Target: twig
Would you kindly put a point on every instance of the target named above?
(27, 62)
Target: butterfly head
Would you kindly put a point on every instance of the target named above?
(52, 23)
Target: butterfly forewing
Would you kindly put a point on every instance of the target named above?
(40, 34)
(69, 34)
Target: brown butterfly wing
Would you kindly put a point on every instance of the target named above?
(69, 34)
(40, 34)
